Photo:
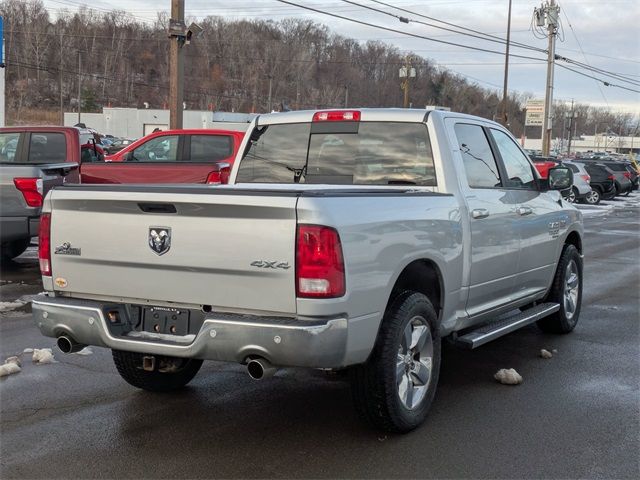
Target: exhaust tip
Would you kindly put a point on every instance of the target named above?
(67, 345)
(259, 368)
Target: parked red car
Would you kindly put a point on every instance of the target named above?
(543, 164)
(171, 156)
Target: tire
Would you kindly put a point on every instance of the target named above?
(626, 194)
(129, 366)
(567, 291)
(593, 197)
(573, 195)
(10, 250)
(394, 389)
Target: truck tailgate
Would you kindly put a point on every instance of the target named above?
(226, 250)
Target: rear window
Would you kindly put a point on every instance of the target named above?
(572, 167)
(364, 153)
(47, 147)
(210, 148)
(8, 147)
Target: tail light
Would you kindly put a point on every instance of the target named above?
(31, 189)
(219, 176)
(586, 178)
(44, 244)
(337, 116)
(627, 175)
(319, 263)
(611, 177)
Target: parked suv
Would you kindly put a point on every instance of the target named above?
(602, 182)
(623, 182)
(581, 178)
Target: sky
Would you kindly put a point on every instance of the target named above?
(604, 35)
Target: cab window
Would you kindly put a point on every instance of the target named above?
(479, 164)
(158, 149)
(519, 169)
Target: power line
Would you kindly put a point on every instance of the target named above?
(388, 29)
(604, 82)
(481, 35)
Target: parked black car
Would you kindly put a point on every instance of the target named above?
(635, 178)
(602, 182)
(623, 182)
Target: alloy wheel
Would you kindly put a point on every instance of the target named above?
(571, 289)
(414, 362)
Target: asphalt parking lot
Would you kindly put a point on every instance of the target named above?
(576, 415)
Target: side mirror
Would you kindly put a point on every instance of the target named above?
(560, 178)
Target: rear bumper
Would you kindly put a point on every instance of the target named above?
(18, 228)
(231, 338)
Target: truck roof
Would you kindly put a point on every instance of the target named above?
(410, 115)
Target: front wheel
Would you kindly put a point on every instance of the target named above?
(567, 291)
(593, 197)
(395, 388)
(169, 373)
(573, 195)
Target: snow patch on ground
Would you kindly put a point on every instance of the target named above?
(9, 306)
(11, 365)
(606, 206)
(84, 351)
(42, 356)
(545, 354)
(508, 376)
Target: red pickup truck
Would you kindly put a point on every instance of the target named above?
(171, 156)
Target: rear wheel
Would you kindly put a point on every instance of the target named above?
(573, 195)
(567, 291)
(169, 373)
(395, 388)
(9, 250)
(593, 197)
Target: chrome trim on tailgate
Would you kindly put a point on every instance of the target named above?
(316, 344)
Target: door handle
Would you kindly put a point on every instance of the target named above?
(524, 211)
(480, 213)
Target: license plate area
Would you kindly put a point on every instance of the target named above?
(172, 321)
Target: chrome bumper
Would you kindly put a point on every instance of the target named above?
(233, 338)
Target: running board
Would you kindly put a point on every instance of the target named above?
(491, 331)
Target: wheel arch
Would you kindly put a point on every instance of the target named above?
(574, 238)
(422, 276)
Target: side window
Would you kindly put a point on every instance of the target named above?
(275, 154)
(479, 164)
(572, 167)
(158, 149)
(519, 172)
(47, 147)
(8, 146)
(210, 148)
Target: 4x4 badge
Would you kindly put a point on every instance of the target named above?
(160, 239)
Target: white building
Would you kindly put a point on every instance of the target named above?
(135, 123)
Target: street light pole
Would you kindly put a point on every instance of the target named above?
(79, 84)
(176, 65)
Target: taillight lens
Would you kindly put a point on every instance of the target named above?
(627, 174)
(44, 244)
(337, 116)
(586, 178)
(220, 176)
(611, 177)
(31, 189)
(319, 263)
(214, 178)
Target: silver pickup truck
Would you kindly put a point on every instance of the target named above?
(347, 239)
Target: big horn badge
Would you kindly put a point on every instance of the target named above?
(160, 239)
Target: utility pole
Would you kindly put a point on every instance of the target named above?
(406, 73)
(60, 83)
(570, 129)
(504, 118)
(550, 13)
(177, 30)
(269, 100)
(79, 84)
(346, 96)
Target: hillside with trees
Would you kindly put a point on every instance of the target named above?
(123, 63)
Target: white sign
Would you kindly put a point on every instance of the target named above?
(535, 113)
